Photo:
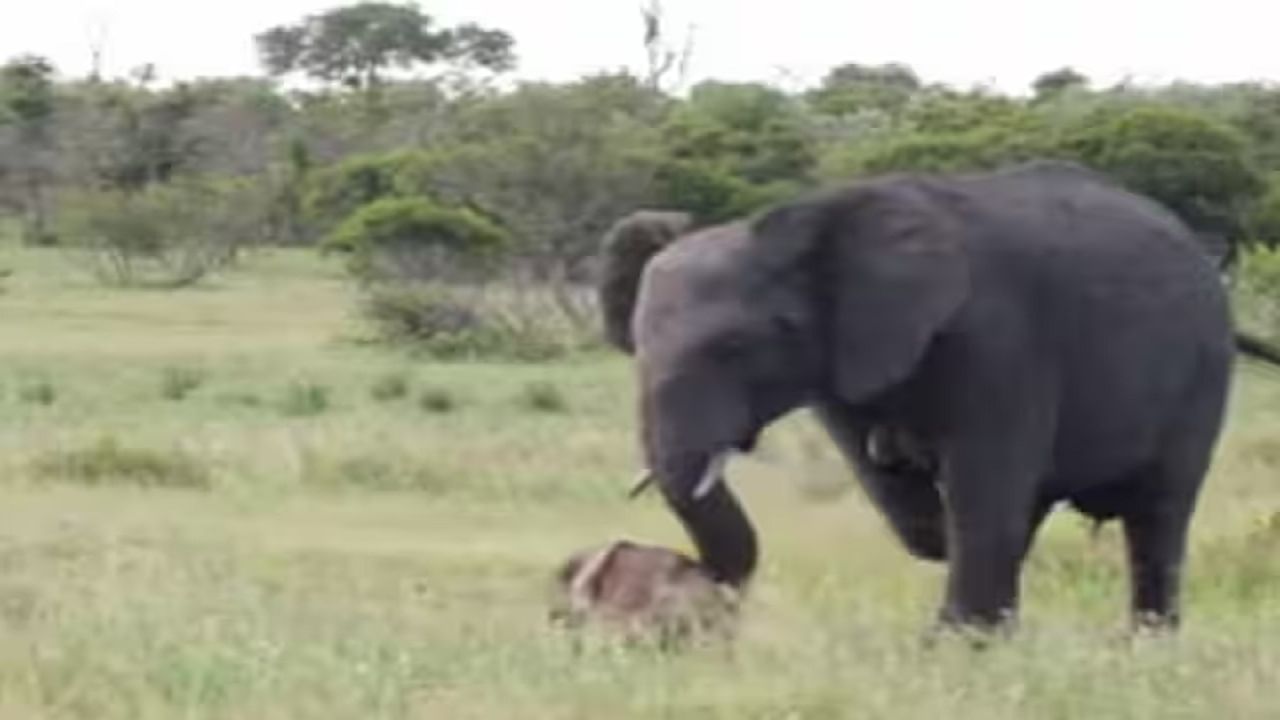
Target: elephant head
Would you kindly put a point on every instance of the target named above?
(836, 295)
(641, 590)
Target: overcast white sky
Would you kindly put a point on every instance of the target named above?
(1004, 43)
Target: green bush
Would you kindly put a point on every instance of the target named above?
(389, 387)
(39, 392)
(1257, 291)
(178, 382)
(304, 398)
(1196, 166)
(415, 239)
(1264, 220)
(108, 462)
(980, 149)
(337, 191)
(448, 325)
(164, 236)
(712, 195)
(437, 400)
(543, 397)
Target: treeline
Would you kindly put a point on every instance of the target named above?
(407, 154)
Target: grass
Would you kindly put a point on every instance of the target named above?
(372, 560)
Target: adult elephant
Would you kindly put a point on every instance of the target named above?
(1041, 333)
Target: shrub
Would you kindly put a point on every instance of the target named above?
(460, 323)
(178, 382)
(437, 400)
(415, 313)
(40, 392)
(164, 236)
(392, 386)
(369, 473)
(543, 397)
(107, 462)
(415, 239)
(341, 189)
(1264, 220)
(304, 398)
(1191, 163)
(1257, 291)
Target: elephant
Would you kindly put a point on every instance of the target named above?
(981, 347)
(642, 591)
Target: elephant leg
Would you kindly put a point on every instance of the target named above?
(1158, 510)
(909, 501)
(992, 515)
(1155, 528)
(1157, 547)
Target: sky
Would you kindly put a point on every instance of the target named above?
(1003, 44)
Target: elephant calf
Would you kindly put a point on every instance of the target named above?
(642, 591)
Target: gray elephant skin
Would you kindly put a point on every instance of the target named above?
(1042, 334)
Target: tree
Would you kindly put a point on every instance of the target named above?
(1055, 82)
(1197, 167)
(853, 88)
(661, 58)
(407, 239)
(356, 46)
(752, 131)
(27, 108)
(556, 163)
(1264, 220)
(128, 136)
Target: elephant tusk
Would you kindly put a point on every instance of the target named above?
(642, 482)
(712, 476)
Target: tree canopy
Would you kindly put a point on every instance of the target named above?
(355, 46)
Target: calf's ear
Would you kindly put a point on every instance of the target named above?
(586, 585)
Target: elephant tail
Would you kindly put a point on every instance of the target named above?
(1257, 348)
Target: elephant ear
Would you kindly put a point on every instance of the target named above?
(626, 250)
(890, 263)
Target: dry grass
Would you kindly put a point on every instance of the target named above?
(377, 561)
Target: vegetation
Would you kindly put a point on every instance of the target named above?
(213, 558)
(324, 466)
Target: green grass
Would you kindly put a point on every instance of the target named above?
(219, 558)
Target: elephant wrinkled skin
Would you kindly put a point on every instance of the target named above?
(1037, 334)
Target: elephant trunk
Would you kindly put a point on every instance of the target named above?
(690, 427)
(713, 518)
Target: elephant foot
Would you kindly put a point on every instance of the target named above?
(977, 634)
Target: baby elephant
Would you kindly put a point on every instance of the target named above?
(642, 592)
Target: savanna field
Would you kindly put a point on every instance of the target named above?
(218, 503)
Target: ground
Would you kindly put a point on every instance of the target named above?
(217, 503)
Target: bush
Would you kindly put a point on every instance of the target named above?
(415, 239)
(712, 195)
(392, 386)
(1197, 167)
(1257, 291)
(107, 462)
(980, 149)
(543, 397)
(40, 392)
(304, 398)
(437, 400)
(163, 236)
(177, 382)
(339, 190)
(1264, 220)
(461, 323)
